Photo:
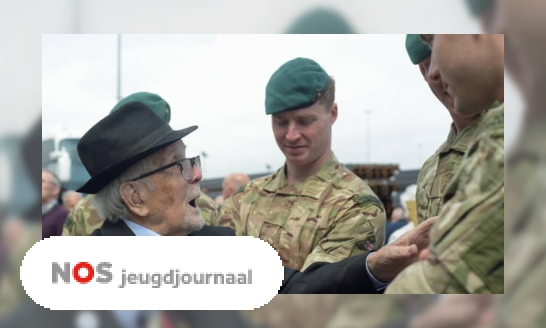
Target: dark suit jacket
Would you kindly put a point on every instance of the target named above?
(347, 276)
(53, 221)
(344, 277)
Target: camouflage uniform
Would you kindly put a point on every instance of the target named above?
(467, 242)
(84, 218)
(526, 226)
(328, 217)
(438, 170)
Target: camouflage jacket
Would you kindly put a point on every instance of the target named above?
(467, 242)
(440, 168)
(525, 222)
(329, 216)
(85, 218)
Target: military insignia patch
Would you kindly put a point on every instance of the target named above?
(364, 200)
(367, 245)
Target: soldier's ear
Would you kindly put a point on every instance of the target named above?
(133, 198)
(333, 113)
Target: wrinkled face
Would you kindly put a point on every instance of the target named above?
(435, 83)
(172, 203)
(50, 189)
(467, 68)
(304, 135)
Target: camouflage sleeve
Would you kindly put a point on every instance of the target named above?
(209, 209)
(358, 228)
(69, 227)
(230, 213)
(467, 242)
(83, 219)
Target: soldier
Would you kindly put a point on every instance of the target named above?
(438, 170)
(84, 218)
(466, 253)
(313, 208)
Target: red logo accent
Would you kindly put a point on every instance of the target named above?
(90, 272)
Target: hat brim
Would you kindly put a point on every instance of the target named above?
(104, 177)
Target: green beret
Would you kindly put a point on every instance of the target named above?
(154, 102)
(479, 7)
(297, 84)
(320, 21)
(417, 49)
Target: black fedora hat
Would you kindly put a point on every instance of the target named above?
(122, 139)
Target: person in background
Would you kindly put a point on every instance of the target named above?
(70, 199)
(232, 183)
(398, 220)
(53, 214)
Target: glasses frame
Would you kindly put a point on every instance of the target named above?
(195, 161)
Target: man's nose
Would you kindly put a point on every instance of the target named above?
(197, 175)
(433, 73)
(293, 133)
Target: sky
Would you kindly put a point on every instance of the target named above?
(218, 83)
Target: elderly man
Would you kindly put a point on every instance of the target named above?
(439, 169)
(142, 181)
(466, 254)
(84, 218)
(313, 208)
(53, 214)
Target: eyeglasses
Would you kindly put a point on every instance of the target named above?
(186, 168)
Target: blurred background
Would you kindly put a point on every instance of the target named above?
(59, 84)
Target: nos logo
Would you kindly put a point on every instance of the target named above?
(78, 272)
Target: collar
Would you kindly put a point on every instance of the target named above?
(460, 141)
(139, 230)
(48, 207)
(312, 187)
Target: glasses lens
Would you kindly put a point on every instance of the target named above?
(187, 167)
(187, 172)
(197, 160)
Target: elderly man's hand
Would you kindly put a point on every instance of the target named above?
(419, 236)
(387, 262)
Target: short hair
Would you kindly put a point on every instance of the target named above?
(56, 181)
(108, 200)
(329, 96)
(67, 193)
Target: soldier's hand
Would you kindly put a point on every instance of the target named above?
(419, 236)
(390, 260)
